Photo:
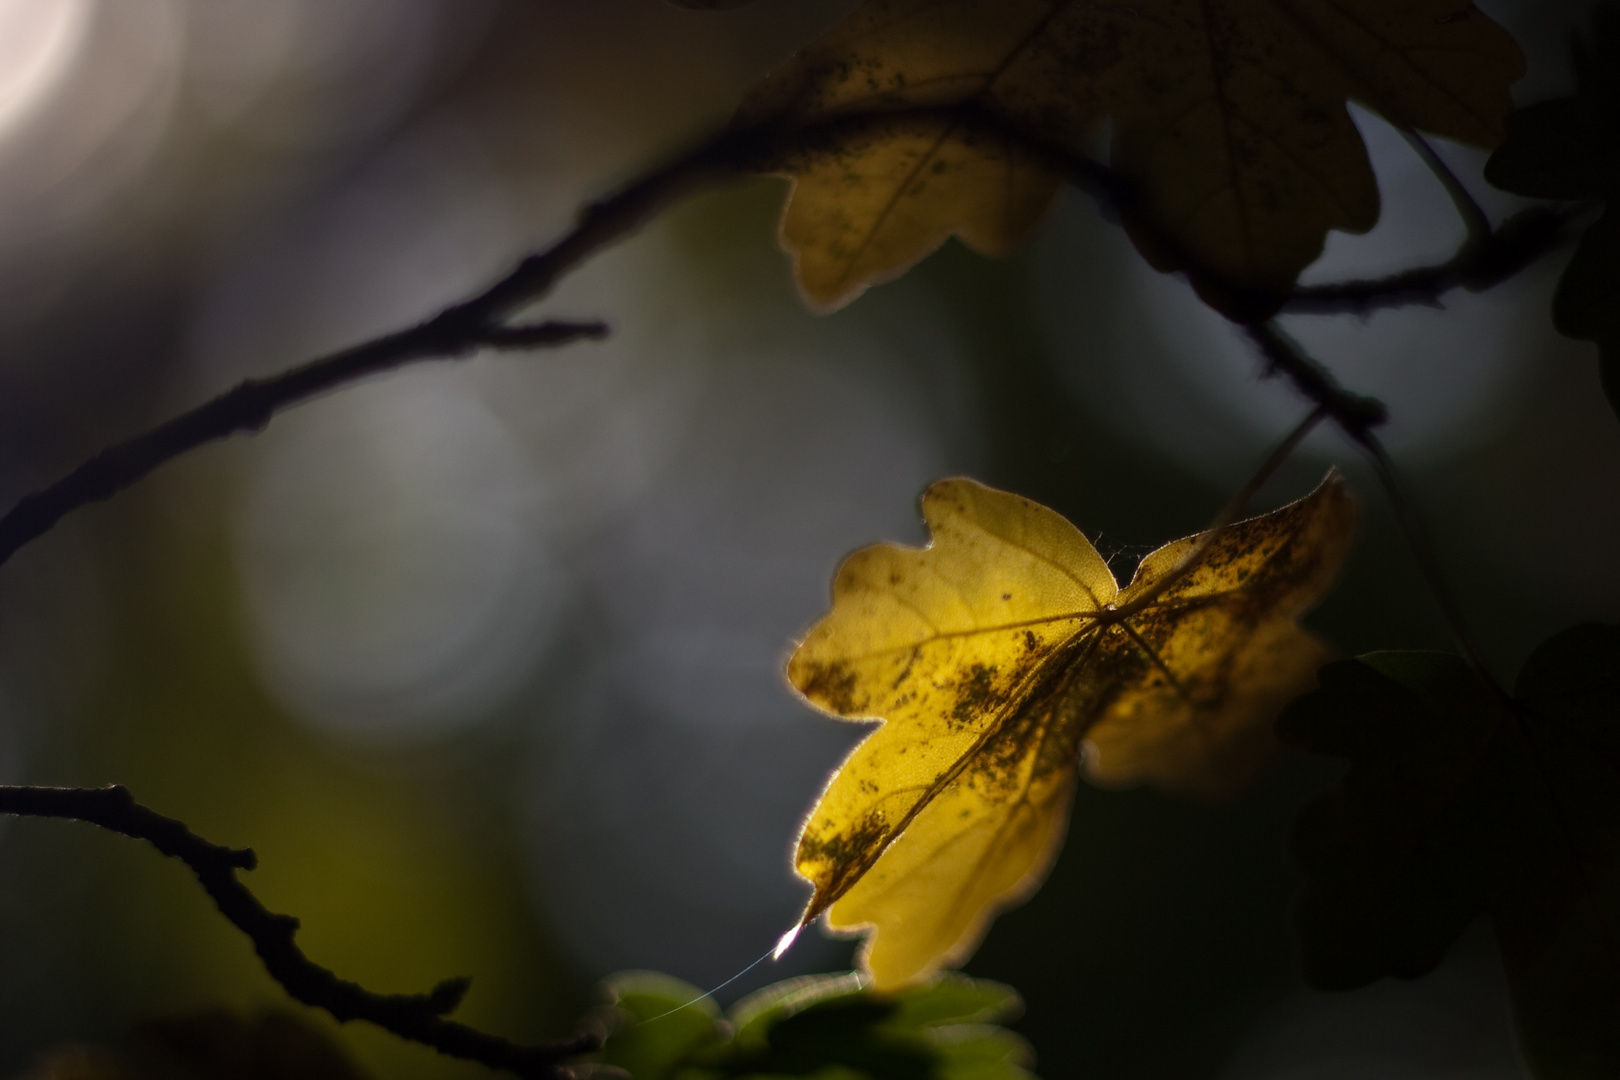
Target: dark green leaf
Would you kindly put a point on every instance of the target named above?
(850, 1031)
(661, 1021)
(1459, 803)
(825, 1026)
(1387, 895)
(1575, 676)
(954, 999)
(982, 1053)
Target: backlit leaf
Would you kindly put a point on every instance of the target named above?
(991, 655)
(1459, 804)
(1229, 123)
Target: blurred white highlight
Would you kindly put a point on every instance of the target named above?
(786, 942)
(39, 40)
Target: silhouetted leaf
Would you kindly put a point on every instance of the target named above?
(992, 654)
(1458, 804)
(1229, 124)
(1570, 149)
(824, 1026)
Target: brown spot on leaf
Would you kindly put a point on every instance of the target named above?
(830, 685)
(975, 694)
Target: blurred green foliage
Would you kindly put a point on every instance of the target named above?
(824, 1026)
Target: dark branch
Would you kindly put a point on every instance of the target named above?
(458, 330)
(1355, 414)
(480, 321)
(250, 405)
(1486, 258)
(417, 1017)
(1502, 253)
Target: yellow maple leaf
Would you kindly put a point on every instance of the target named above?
(993, 655)
(1229, 124)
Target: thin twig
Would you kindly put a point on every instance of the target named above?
(1422, 548)
(458, 330)
(1239, 502)
(1235, 506)
(419, 1018)
(251, 404)
(1356, 417)
(1485, 259)
(1518, 242)
(480, 320)
(1355, 414)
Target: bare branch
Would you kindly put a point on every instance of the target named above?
(251, 404)
(419, 1018)
(480, 321)
(1357, 416)
(1486, 258)
(456, 331)
(1477, 266)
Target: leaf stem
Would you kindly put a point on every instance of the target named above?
(419, 1018)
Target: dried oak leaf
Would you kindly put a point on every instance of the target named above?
(1570, 149)
(1460, 804)
(992, 655)
(1229, 126)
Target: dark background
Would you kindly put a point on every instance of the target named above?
(484, 658)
